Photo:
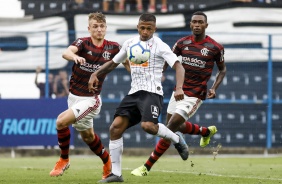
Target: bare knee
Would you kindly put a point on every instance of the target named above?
(88, 139)
(65, 119)
(60, 123)
(87, 136)
(117, 128)
(116, 132)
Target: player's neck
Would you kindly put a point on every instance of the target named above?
(199, 38)
(98, 43)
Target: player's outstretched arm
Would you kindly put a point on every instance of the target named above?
(70, 55)
(104, 69)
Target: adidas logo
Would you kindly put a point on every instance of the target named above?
(186, 48)
(77, 110)
(89, 52)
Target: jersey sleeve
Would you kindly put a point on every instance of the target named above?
(219, 58)
(175, 49)
(78, 43)
(167, 54)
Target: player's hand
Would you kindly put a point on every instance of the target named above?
(93, 83)
(179, 94)
(211, 94)
(38, 69)
(79, 60)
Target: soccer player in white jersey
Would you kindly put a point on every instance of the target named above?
(145, 98)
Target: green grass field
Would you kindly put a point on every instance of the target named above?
(196, 170)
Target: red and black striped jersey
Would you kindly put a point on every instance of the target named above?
(198, 60)
(95, 57)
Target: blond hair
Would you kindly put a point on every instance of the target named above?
(98, 16)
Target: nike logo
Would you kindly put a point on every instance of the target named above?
(155, 116)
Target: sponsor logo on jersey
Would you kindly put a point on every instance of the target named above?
(89, 67)
(194, 62)
(146, 64)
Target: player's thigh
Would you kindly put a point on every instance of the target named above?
(85, 109)
(128, 108)
(171, 104)
(66, 118)
(186, 107)
(150, 106)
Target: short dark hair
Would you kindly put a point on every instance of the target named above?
(146, 17)
(201, 13)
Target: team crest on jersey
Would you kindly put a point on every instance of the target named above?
(155, 111)
(106, 55)
(205, 52)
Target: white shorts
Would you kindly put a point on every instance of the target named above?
(84, 109)
(186, 107)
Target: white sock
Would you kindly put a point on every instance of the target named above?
(116, 149)
(166, 133)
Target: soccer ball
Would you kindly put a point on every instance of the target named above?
(138, 53)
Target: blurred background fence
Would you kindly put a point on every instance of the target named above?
(247, 109)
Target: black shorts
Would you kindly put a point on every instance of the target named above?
(141, 106)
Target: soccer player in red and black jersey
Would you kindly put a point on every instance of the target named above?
(88, 55)
(199, 55)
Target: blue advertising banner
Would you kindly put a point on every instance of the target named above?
(30, 122)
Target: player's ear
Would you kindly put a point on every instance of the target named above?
(207, 25)
(155, 29)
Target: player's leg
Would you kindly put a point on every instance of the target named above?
(126, 115)
(96, 146)
(150, 106)
(85, 110)
(117, 128)
(173, 122)
(160, 148)
(187, 108)
(195, 129)
(65, 119)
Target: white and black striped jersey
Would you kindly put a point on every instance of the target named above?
(147, 76)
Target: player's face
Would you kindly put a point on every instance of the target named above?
(97, 30)
(146, 29)
(198, 24)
